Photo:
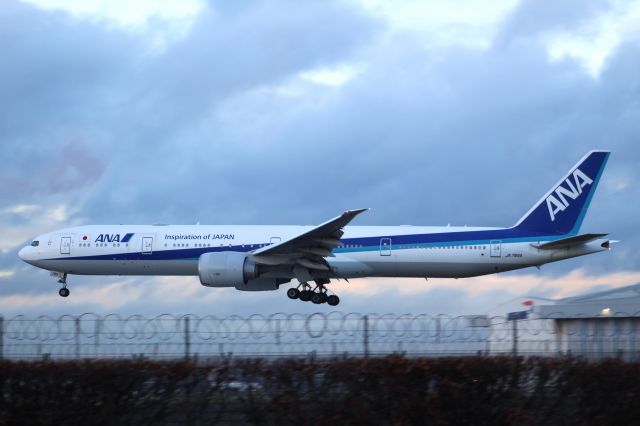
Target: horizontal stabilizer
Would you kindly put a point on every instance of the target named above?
(569, 242)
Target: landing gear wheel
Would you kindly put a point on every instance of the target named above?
(317, 295)
(317, 298)
(306, 295)
(64, 291)
(333, 300)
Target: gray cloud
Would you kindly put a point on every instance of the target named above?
(532, 17)
(202, 131)
(59, 78)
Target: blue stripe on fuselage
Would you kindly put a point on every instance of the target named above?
(507, 235)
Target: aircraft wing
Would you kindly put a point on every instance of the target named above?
(569, 242)
(309, 248)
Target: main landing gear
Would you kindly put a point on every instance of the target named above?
(64, 291)
(318, 295)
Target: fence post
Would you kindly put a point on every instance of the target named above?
(515, 337)
(1, 337)
(98, 328)
(77, 337)
(366, 335)
(187, 339)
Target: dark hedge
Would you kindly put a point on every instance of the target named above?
(386, 391)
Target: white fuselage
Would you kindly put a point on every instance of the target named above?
(366, 251)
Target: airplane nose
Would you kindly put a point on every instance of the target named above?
(22, 254)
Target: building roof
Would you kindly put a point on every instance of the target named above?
(618, 302)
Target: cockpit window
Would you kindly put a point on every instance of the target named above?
(35, 243)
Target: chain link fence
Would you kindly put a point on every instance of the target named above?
(333, 334)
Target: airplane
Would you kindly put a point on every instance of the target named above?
(261, 258)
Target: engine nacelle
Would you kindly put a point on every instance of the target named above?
(226, 269)
(234, 269)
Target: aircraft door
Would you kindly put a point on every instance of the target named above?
(65, 245)
(496, 249)
(147, 245)
(275, 240)
(385, 246)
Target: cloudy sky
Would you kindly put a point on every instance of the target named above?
(288, 112)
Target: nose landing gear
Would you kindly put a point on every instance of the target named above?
(318, 295)
(64, 291)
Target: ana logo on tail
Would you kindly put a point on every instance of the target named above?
(556, 201)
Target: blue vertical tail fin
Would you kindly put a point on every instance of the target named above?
(562, 209)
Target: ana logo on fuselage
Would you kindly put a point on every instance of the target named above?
(556, 201)
(113, 238)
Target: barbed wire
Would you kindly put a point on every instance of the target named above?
(207, 328)
(91, 334)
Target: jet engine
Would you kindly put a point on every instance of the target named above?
(234, 269)
(226, 269)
